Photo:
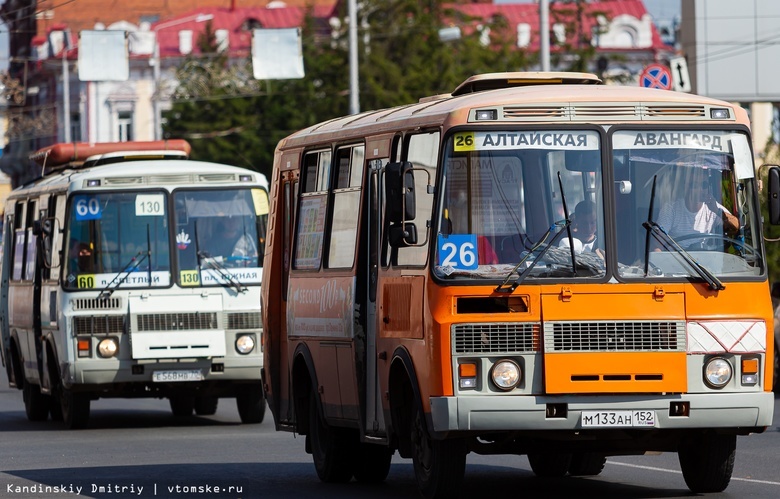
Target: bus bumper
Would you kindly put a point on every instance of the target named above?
(508, 413)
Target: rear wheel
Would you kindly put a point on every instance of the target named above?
(251, 405)
(550, 465)
(36, 404)
(182, 405)
(75, 408)
(586, 464)
(206, 406)
(707, 462)
(372, 463)
(439, 465)
(332, 449)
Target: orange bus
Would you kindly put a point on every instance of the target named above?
(534, 264)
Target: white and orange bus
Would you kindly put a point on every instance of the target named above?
(120, 279)
(429, 287)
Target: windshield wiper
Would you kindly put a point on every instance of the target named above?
(522, 275)
(668, 241)
(220, 269)
(119, 277)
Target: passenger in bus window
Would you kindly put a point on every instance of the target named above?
(81, 257)
(697, 212)
(234, 243)
(583, 228)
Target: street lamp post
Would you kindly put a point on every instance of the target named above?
(198, 18)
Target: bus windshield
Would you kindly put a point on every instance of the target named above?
(685, 197)
(220, 235)
(117, 239)
(503, 207)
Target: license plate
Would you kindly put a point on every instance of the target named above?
(167, 376)
(612, 419)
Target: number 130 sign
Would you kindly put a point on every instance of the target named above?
(458, 251)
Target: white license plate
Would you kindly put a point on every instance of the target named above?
(167, 376)
(611, 419)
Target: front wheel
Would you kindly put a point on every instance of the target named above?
(251, 405)
(707, 462)
(332, 448)
(75, 408)
(439, 465)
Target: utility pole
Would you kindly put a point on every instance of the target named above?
(544, 34)
(354, 97)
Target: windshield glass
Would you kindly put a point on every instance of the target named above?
(697, 186)
(502, 205)
(116, 233)
(219, 233)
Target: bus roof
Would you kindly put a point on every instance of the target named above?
(527, 98)
(75, 154)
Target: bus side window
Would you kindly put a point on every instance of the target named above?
(313, 205)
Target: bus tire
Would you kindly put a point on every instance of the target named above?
(586, 464)
(331, 448)
(707, 462)
(372, 463)
(36, 404)
(75, 409)
(549, 465)
(439, 465)
(206, 406)
(182, 405)
(251, 405)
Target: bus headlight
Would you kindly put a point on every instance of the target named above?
(717, 372)
(108, 347)
(505, 374)
(245, 343)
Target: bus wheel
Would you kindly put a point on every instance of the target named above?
(206, 406)
(707, 462)
(372, 463)
(182, 405)
(251, 404)
(331, 448)
(549, 465)
(75, 408)
(586, 464)
(36, 404)
(439, 465)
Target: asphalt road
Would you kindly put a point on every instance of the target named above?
(136, 448)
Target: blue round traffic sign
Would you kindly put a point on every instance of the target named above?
(656, 76)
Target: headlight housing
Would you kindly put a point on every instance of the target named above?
(506, 374)
(108, 347)
(245, 343)
(717, 372)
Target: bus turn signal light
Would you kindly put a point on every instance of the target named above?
(750, 371)
(467, 373)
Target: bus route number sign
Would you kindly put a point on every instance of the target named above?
(458, 251)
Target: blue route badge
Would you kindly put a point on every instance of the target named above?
(458, 251)
(87, 208)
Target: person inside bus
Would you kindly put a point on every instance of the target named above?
(81, 257)
(233, 243)
(697, 212)
(583, 228)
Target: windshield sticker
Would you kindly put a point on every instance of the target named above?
(87, 208)
(131, 279)
(458, 251)
(149, 205)
(548, 139)
(183, 240)
(260, 199)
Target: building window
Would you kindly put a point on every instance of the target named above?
(125, 126)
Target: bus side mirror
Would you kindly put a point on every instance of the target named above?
(774, 195)
(399, 192)
(404, 235)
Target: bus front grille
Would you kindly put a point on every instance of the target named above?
(100, 325)
(177, 322)
(615, 336)
(96, 304)
(244, 320)
(495, 337)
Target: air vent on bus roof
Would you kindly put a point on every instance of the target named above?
(494, 81)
